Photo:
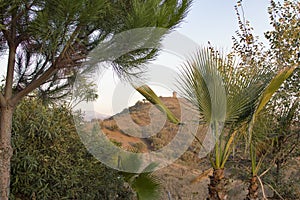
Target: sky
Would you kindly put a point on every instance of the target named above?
(215, 20)
(207, 20)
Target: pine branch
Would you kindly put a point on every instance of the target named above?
(33, 85)
(51, 71)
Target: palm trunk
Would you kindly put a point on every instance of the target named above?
(253, 189)
(6, 150)
(217, 186)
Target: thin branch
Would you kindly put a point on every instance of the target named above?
(266, 171)
(41, 69)
(48, 73)
(21, 73)
(35, 84)
(6, 33)
(57, 79)
(262, 188)
(275, 191)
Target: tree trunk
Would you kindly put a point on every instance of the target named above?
(217, 186)
(253, 189)
(6, 150)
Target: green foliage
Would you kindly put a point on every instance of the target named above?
(146, 185)
(274, 85)
(61, 33)
(202, 83)
(268, 92)
(140, 146)
(48, 42)
(223, 94)
(50, 162)
(283, 53)
(118, 144)
(284, 38)
(285, 49)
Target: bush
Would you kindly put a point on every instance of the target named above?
(50, 162)
(140, 146)
(115, 142)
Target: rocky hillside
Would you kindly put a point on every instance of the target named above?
(143, 128)
(181, 179)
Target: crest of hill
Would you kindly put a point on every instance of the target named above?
(143, 127)
(125, 126)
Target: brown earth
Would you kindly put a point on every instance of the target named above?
(187, 178)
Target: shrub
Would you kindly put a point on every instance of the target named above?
(140, 146)
(50, 162)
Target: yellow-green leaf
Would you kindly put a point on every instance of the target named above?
(274, 86)
(150, 95)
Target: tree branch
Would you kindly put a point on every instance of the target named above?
(34, 84)
(48, 73)
(11, 61)
(10, 72)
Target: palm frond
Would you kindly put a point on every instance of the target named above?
(274, 85)
(241, 103)
(201, 83)
(223, 93)
(268, 92)
(150, 95)
(147, 186)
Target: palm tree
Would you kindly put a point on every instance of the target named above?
(228, 99)
(225, 96)
(48, 40)
(253, 141)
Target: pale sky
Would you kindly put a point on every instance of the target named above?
(215, 20)
(208, 20)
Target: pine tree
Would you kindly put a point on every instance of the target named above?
(47, 41)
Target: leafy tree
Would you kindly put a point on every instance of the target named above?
(50, 161)
(47, 41)
(281, 53)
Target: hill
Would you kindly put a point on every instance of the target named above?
(143, 127)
